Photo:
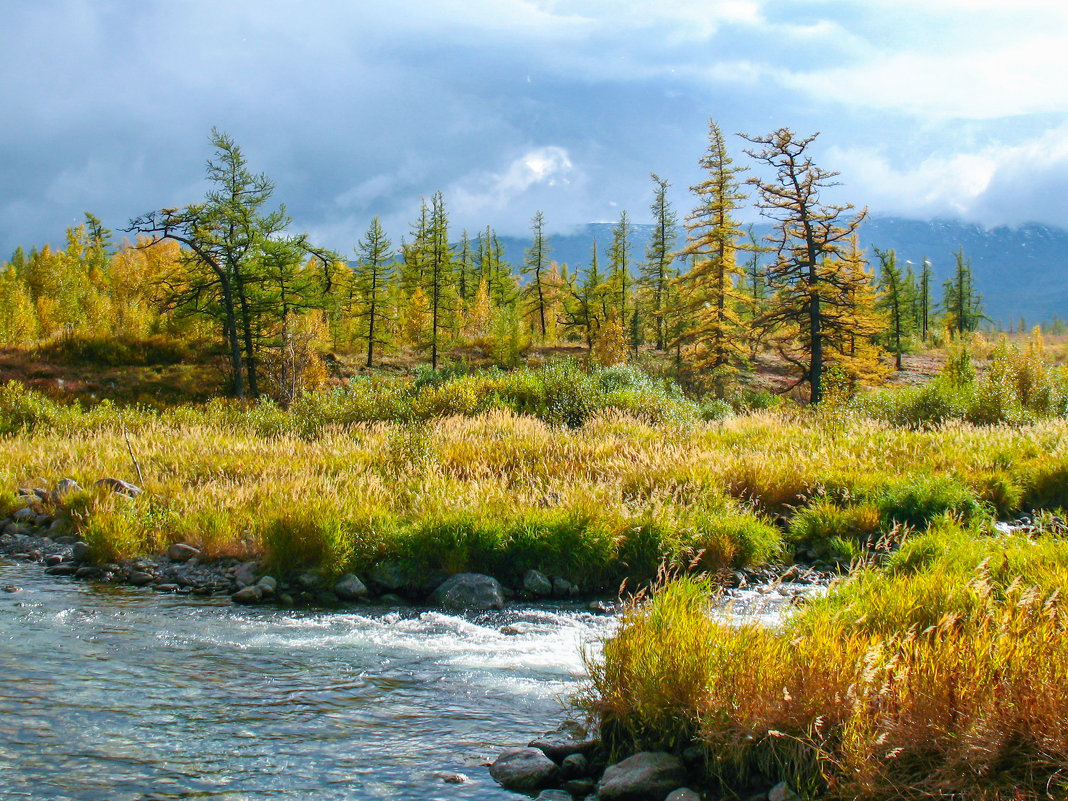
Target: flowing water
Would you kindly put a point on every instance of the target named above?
(115, 693)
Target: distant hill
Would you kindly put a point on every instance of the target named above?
(1021, 272)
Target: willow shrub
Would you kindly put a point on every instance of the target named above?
(944, 674)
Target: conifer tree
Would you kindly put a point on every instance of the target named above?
(373, 272)
(961, 304)
(894, 303)
(657, 272)
(619, 268)
(809, 239)
(710, 295)
(536, 264)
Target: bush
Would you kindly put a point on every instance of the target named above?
(918, 500)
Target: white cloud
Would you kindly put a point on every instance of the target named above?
(995, 184)
(541, 167)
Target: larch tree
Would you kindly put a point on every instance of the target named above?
(657, 271)
(438, 273)
(536, 265)
(962, 306)
(894, 303)
(809, 240)
(374, 269)
(619, 267)
(710, 295)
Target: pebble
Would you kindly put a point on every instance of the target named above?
(12, 588)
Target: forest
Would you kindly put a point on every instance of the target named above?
(706, 299)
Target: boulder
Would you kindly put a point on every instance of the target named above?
(245, 574)
(469, 592)
(118, 486)
(268, 585)
(182, 552)
(580, 788)
(646, 776)
(554, 795)
(782, 792)
(60, 527)
(524, 770)
(80, 552)
(248, 595)
(25, 514)
(139, 578)
(388, 577)
(567, 739)
(63, 488)
(350, 588)
(574, 766)
(537, 583)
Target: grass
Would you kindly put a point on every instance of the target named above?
(941, 674)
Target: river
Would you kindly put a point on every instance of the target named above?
(121, 694)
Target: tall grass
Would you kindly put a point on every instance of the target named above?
(943, 674)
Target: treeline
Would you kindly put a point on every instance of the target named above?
(703, 290)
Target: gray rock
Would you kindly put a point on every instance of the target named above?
(782, 792)
(388, 577)
(248, 595)
(537, 583)
(63, 488)
(683, 794)
(524, 770)
(567, 739)
(12, 588)
(80, 552)
(166, 587)
(350, 588)
(118, 486)
(53, 559)
(285, 599)
(61, 570)
(139, 578)
(87, 571)
(268, 586)
(42, 520)
(553, 795)
(574, 766)
(309, 580)
(326, 598)
(25, 514)
(471, 592)
(646, 776)
(245, 574)
(391, 599)
(602, 607)
(182, 552)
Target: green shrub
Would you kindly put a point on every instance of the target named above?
(916, 501)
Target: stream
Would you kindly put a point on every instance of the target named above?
(123, 694)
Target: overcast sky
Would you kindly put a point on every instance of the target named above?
(928, 108)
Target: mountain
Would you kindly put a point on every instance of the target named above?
(1020, 272)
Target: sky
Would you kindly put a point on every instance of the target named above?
(927, 108)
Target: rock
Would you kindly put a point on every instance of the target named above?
(602, 607)
(562, 588)
(511, 631)
(524, 770)
(567, 739)
(12, 588)
(63, 488)
(782, 792)
(25, 514)
(182, 552)
(451, 778)
(166, 587)
(580, 788)
(388, 577)
(245, 574)
(248, 595)
(285, 599)
(553, 795)
(646, 776)
(53, 559)
(65, 540)
(268, 585)
(326, 598)
(42, 521)
(61, 570)
(694, 756)
(391, 599)
(87, 571)
(683, 794)
(350, 588)
(139, 578)
(471, 592)
(308, 581)
(118, 486)
(537, 583)
(574, 766)
(80, 551)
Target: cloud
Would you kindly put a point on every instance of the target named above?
(995, 185)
